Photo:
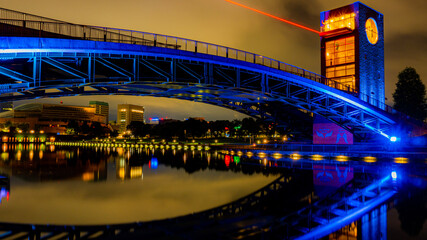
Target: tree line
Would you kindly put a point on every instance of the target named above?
(195, 128)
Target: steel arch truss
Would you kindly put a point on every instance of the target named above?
(240, 86)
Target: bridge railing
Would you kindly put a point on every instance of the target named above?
(47, 27)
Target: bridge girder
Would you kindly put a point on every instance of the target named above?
(74, 73)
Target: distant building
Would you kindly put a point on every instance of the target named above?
(51, 118)
(127, 113)
(167, 120)
(6, 106)
(101, 108)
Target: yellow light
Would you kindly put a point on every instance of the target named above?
(122, 173)
(401, 160)
(295, 156)
(135, 172)
(342, 158)
(137, 111)
(249, 154)
(261, 155)
(41, 131)
(123, 110)
(370, 159)
(19, 131)
(277, 156)
(265, 141)
(317, 157)
(239, 153)
(265, 161)
(31, 131)
(88, 176)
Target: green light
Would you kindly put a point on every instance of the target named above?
(236, 159)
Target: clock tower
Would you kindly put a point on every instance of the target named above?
(352, 51)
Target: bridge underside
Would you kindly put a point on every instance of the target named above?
(119, 69)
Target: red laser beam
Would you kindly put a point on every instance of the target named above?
(275, 17)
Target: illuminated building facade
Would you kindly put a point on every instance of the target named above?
(51, 118)
(352, 50)
(127, 113)
(6, 106)
(101, 108)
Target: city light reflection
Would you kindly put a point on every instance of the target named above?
(401, 160)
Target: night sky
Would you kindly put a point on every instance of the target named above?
(219, 22)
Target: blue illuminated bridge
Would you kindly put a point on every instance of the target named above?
(42, 57)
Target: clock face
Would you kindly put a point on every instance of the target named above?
(371, 29)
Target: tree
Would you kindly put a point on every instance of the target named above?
(73, 127)
(138, 129)
(410, 94)
(250, 126)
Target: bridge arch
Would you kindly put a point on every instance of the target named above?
(54, 67)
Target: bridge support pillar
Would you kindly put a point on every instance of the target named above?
(327, 132)
(208, 73)
(136, 69)
(173, 70)
(91, 68)
(37, 70)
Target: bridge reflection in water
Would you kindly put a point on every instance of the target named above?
(302, 201)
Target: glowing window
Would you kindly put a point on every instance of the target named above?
(340, 51)
(338, 22)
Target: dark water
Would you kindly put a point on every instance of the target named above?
(76, 185)
(93, 186)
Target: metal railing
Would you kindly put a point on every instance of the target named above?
(47, 27)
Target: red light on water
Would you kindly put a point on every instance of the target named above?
(275, 17)
(227, 160)
(7, 196)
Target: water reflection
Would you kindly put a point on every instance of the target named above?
(89, 181)
(115, 185)
(4, 187)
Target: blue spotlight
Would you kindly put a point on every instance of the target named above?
(394, 175)
(393, 139)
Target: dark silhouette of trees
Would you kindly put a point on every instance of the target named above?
(410, 94)
(73, 127)
(411, 206)
(250, 126)
(196, 128)
(139, 129)
(218, 127)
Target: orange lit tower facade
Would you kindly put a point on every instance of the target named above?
(352, 50)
